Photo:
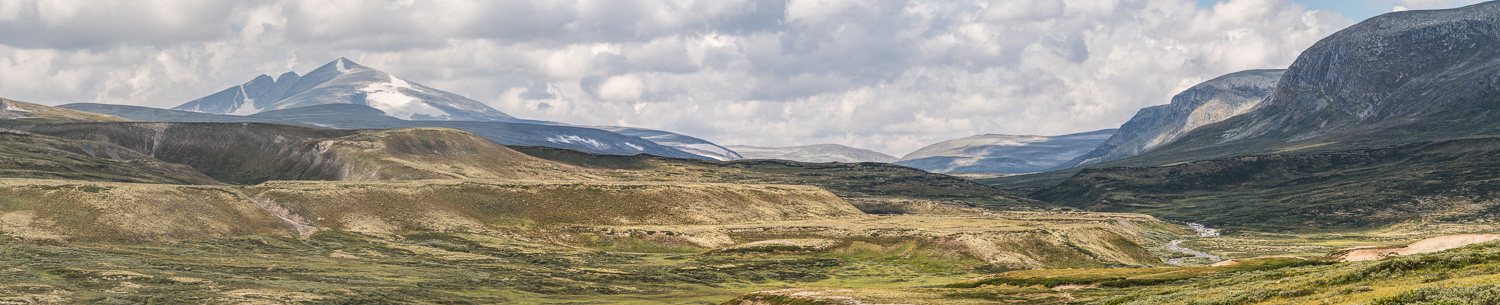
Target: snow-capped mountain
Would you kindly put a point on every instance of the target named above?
(349, 116)
(406, 103)
(1004, 154)
(820, 153)
(344, 82)
(1209, 102)
(679, 141)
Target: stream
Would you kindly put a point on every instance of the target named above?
(1203, 232)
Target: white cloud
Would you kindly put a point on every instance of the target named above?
(890, 75)
(103, 24)
(1010, 10)
(622, 88)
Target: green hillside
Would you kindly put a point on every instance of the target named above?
(249, 153)
(27, 155)
(874, 187)
(1448, 181)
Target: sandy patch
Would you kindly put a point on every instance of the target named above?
(1434, 244)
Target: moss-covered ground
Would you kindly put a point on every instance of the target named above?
(1467, 275)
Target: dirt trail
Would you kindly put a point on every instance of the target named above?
(285, 214)
(1434, 244)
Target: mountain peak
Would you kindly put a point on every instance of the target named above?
(288, 77)
(261, 78)
(343, 81)
(337, 66)
(343, 63)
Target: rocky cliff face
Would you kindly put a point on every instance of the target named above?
(1397, 78)
(1207, 103)
(1396, 67)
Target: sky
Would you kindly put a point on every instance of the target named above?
(1362, 9)
(887, 75)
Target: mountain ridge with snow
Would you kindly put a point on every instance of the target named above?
(342, 81)
(1004, 154)
(818, 153)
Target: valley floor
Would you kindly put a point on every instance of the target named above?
(642, 264)
(900, 259)
(1263, 268)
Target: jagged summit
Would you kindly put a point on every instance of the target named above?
(343, 81)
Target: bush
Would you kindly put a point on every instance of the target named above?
(1476, 295)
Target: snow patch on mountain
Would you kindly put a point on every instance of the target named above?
(710, 148)
(246, 105)
(573, 139)
(11, 107)
(681, 142)
(387, 96)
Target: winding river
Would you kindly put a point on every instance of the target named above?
(1203, 232)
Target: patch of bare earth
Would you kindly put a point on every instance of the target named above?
(1434, 244)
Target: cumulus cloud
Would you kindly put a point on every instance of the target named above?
(91, 24)
(888, 75)
(622, 88)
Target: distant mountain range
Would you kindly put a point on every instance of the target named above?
(680, 142)
(344, 82)
(346, 95)
(351, 116)
(1327, 100)
(1004, 154)
(820, 153)
(1206, 103)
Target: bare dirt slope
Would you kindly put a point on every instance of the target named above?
(1434, 244)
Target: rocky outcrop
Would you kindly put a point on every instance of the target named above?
(1397, 78)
